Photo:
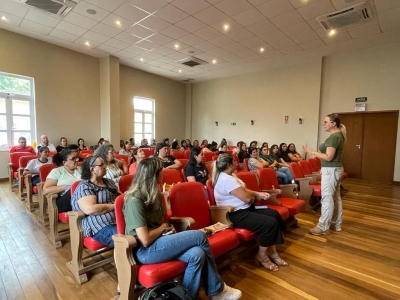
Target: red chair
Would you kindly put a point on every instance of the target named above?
(178, 154)
(23, 162)
(207, 156)
(317, 159)
(171, 176)
(284, 193)
(251, 181)
(152, 151)
(307, 172)
(13, 167)
(123, 157)
(246, 165)
(188, 200)
(214, 158)
(125, 182)
(43, 172)
(229, 152)
(85, 153)
(51, 154)
(244, 234)
(129, 271)
(236, 158)
(314, 166)
(146, 152)
(186, 153)
(79, 265)
(306, 190)
(184, 162)
(183, 175)
(232, 148)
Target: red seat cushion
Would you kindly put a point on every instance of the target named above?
(283, 211)
(293, 205)
(63, 217)
(316, 190)
(150, 275)
(92, 244)
(245, 234)
(223, 241)
(15, 174)
(345, 175)
(35, 190)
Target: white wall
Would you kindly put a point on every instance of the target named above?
(265, 97)
(372, 73)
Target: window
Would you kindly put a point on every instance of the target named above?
(17, 110)
(144, 119)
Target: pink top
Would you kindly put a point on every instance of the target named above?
(20, 149)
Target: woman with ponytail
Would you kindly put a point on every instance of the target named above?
(331, 174)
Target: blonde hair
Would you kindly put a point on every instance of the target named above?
(335, 118)
(220, 165)
(145, 185)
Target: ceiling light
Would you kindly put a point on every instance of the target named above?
(214, 61)
(332, 32)
(141, 59)
(226, 27)
(180, 71)
(262, 49)
(91, 11)
(87, 44)
(176, 46)
(4, 18)
(118, 23)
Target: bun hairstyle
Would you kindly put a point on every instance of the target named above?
(220, 165)
(335, 118)
(60, 157)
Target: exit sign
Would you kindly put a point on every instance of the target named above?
(361, 99)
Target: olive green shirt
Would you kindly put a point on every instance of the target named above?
(138, 215)
(335, 140)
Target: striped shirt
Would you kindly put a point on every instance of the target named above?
(105, 195)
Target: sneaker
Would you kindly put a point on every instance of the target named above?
(338, 229)
(228, 293)
(318, 231)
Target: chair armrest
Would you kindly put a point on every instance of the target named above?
(182, 224)
(289, 190)
(314, 178)
(221, 214)
(273, 200)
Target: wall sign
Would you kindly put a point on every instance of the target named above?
(361, 99)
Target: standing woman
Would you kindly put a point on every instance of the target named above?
(331, 174)
(81, 144)
(144, 212)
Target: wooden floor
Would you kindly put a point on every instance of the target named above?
(361, 262)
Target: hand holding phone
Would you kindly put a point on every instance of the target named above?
(165, 230)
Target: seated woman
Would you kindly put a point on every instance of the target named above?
(196, 143)
(95, 196)
(196, 170)
(81, 144)
(168, 161)
(34, 165)
(253, 144)
(144, 212)
(223, 149)
(60, 179)
(63, 144)
(264, 145)
(127, 150)
(204, 144)
(114, 168)
(153, 143)
(255, 162)
(281, 168)
(175, 146)
(137, 156)
(237, 149)
(183, 146)
(243, 152)
(267, 223)
(189, 144)
(222, 144)
(283, 155)
(293, 154)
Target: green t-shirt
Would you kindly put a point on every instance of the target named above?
(336, 141)
(138, 215)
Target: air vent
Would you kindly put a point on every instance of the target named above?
(192, 61)
(55, 7)
(354, 15)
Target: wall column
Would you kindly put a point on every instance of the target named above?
(188, 114)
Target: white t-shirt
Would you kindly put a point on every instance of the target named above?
(50, 146)
(35, 164)
(225, 184)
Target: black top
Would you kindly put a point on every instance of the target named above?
(242, 155)
(169, 162)
(200, 173)
(60, 148)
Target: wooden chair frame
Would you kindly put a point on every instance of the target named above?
(55, 236)
(30, 205)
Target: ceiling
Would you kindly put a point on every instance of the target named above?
(153, 35)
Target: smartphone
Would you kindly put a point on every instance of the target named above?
(165, 230)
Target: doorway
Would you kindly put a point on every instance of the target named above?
(370, 149)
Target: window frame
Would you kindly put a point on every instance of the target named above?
(9, 97)
(143, 112)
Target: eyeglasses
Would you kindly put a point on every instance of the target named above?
(73, 158)
(111, 151)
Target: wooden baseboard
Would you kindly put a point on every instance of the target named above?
(3, 179)
(396, 182)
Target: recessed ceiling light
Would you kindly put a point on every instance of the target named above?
(176, 46)
(87, 44)
(118, 23)
(141, 59)
(214, 61)
(4, 18)
(262, 49)
(332, 32)
(226, 27)
(180, 71)
(91, 11)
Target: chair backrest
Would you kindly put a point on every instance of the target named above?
(146, 152)
(232, 148)
(246, 164)
(125, 182)
(186, 153)
(268, 179)
(313, 164)
(305, 167)
(214, 158)
(84, 155)
(210, 190)
(184, 162)
(152, 150)
(74, 186)
(318, 162)
(207, 156)
(229, 151)
(236, 158)
(296, 170)
(209, 168)
(51, 154)
(45, 170)
(122, 157)
(183, 175)
(86, 151)
(171, 176)
(14, 159)
(178, 154)
(250, 179)
(119, 214)
(189, 200)
(24, 160)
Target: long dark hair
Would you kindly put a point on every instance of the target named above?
(283, 154)
(289, 151)
(194, 152)
(271, 152)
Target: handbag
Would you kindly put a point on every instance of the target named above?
(171, 290)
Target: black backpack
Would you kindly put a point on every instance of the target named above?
(171, 290)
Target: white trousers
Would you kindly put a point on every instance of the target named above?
(331, 202)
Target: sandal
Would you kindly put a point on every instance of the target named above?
(276, 259)
(266, 263)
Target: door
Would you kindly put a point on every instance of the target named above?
(352, 152)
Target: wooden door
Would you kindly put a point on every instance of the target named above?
(352, 152)
(379, 146)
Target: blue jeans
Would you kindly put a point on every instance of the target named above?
(193, 248)
(105, 235)
(285, 174)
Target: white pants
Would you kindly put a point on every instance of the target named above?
(331, 202)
